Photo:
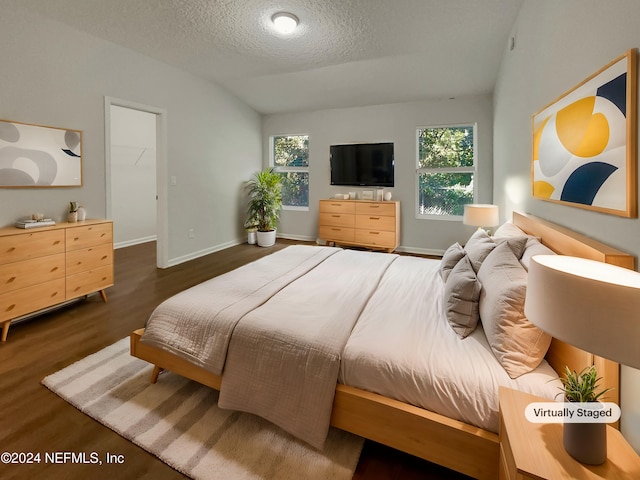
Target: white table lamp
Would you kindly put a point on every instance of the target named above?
(481, 215)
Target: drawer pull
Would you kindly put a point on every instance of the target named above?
(336, 229)
(374, 206)
(56, 242)
(374, 218)
(336, 204)
(374, 233)
(54, 294)
(104, 257)
(11, 307)
(54, 269)
(11, 279)
(11, 249)
(336, 216)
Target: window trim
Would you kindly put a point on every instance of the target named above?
(419, 171)
(272, 164)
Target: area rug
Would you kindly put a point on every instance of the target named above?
(178, 421)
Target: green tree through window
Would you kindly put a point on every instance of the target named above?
(445, 169)
(291, 161)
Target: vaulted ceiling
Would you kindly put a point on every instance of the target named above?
(344, 52)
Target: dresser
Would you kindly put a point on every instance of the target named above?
(369, 224)
(43, 267)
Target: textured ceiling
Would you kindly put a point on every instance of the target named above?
(344, 53)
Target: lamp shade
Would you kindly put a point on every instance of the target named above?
(481, 215)
(592, 305)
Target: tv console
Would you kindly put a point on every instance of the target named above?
(362, 223)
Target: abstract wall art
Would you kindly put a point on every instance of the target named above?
(584, 143)
(38, 156)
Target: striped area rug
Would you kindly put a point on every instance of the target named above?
(178, 421)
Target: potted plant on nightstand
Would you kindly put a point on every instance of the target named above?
(265, 203)
(586, 442)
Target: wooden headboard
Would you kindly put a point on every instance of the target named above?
(567, 242)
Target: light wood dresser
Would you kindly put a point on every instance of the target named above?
(369, 224)
(43, 267)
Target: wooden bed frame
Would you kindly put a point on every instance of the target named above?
(436, 438)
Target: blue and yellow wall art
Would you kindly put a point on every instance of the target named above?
(584, 144)
(38, 156)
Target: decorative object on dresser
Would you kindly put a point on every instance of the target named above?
(374, 225)
(533, 451)
(49, 266)
(72, 217)
(591, 305)
(481, 215)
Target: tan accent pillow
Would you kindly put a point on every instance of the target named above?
(451, 257)
(518, 345)
(461, 294)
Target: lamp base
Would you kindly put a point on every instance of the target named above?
(586, 442)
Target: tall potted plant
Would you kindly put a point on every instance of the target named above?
(265, 203)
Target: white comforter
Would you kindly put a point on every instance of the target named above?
(284, 329)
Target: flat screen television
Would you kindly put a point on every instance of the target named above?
(362, 164)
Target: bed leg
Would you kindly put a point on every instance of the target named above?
(156, 372)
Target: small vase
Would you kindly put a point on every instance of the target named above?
(82, 214)
(72, 217)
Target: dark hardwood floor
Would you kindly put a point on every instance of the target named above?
(35, 421)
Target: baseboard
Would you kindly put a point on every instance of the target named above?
(135, 241)
(201, 253)
(421, 251)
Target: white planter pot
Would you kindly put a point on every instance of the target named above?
(251, 237)
(266, 239)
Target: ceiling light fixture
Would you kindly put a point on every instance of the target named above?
(284, 22)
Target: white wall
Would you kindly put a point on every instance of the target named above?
(54, 75)
(557, 45)
(381, 123)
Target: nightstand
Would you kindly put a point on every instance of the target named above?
(535, 451)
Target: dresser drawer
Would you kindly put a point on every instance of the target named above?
(89, 235)
(14, 276)
(337, 219)
(29, 299)
(376, 237)
(89, 258)
(337, 234)
(331, 206)
(14, 248)
(376, 208)
(376, 222)
(89, 281)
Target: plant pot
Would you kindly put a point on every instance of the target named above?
(251, 237)
(266, 239)
(72, 217)
(586, 442)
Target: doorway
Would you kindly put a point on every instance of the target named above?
(135, 158)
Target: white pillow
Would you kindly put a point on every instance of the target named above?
(518, 345)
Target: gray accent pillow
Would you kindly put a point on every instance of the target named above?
(478, 247)
(451, 257)
(461, 294)
(518, 345)
(534, 247)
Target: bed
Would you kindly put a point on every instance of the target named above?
(360, 378)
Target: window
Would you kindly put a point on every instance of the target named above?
(290, 158)
(446, 167)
